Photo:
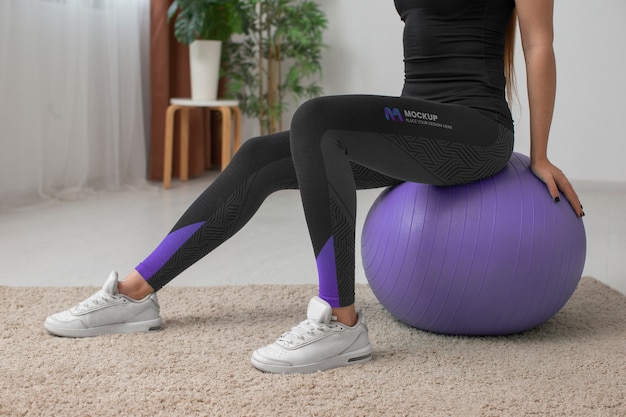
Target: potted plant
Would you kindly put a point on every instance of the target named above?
(205, 25)
(280, 56)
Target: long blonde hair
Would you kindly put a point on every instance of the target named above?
(509, 53)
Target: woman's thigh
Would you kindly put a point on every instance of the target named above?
(404, 138)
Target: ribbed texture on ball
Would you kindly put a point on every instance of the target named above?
(493, 257)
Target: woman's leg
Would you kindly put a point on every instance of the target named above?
(262, 165)
(403, 138)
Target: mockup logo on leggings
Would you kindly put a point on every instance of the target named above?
(393, 115)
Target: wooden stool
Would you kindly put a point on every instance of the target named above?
(230, 112)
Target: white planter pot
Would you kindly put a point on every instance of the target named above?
(204, 62)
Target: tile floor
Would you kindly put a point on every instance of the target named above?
(77, 243)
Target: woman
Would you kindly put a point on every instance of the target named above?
(452, 125)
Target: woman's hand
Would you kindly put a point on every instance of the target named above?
(556, 181)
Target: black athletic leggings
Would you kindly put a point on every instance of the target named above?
(336, 145)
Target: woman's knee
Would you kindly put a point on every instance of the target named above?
(316, 112)
(311, 120)
(251, 146)
(270, 147)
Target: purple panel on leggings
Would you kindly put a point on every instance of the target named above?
(327, 272)
(166, 249)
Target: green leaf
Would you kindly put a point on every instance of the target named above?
(290, 31)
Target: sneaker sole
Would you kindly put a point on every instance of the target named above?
(351, 358)
(119, 328)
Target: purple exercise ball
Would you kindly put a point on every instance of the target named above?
(493, 257)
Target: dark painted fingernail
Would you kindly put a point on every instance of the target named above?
(557, 199)
(582, 215)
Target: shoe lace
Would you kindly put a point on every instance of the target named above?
(96, 299)
(303, 332)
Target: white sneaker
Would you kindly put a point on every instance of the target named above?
(316, 344)
(106, 312)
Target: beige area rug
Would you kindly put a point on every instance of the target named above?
(198, 364)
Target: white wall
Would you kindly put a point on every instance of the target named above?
(588, 141)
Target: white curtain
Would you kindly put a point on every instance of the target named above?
(73, 97)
